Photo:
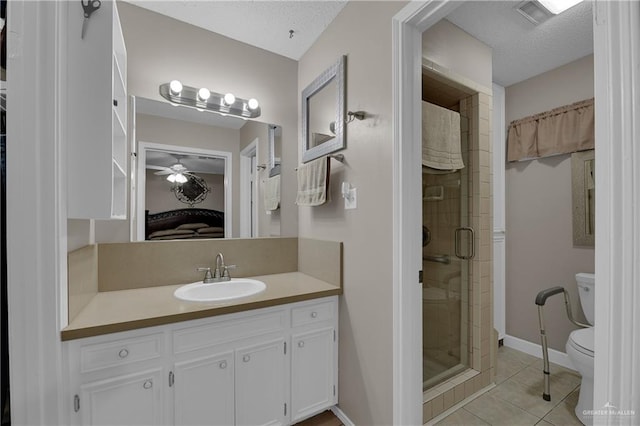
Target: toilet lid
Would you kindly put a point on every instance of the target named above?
(583, 340)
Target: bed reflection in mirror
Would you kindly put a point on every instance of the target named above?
(202, 175)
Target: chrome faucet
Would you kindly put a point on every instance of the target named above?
(221, 272)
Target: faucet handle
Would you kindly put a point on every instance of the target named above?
(225, 270)
(207, 275)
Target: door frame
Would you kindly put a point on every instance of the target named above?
(141, 179)
(407, 28)
(249, 191)
(616, 43)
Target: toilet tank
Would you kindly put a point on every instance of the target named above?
(586, 290)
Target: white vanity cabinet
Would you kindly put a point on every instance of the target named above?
(314, 358)
(261, 384)
(232, 369)
(117, 379)
(203, 392)
(134, 399)
(271, 366)
(96, 111)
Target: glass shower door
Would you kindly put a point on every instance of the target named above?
(446, 253)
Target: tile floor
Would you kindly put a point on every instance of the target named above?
(517, 397)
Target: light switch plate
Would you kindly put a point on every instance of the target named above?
(351, 201)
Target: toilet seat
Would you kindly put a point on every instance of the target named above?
(583, 341)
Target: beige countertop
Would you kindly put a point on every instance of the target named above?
(114, 311)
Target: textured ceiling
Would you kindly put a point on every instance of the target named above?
(520, 49)
(264, 24)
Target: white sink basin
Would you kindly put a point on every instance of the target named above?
(220, 291)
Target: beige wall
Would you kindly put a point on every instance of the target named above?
(539, 244)
(160, 49)
(362, 31)
(450, 47)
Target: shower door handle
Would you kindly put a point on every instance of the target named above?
(471, 243)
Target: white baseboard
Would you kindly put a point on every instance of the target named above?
(534, 349)
(342, 416)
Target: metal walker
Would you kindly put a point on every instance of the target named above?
(541, 298)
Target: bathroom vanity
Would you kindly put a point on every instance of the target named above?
(275, 365)
(138, 355)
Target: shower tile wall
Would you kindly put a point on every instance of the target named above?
(481, 345)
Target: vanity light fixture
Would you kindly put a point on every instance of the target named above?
(204, 99)
(175, 87)
(253, 104)
(229, 99)
(203, 94)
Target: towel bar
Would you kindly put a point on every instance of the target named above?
(337, 157)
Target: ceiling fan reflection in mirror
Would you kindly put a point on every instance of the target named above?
(177, 173)
(188, 187)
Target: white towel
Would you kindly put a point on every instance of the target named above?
(272, 193)
(441, 138)
(313, 182)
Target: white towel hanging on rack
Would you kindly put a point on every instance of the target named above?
(441, 148)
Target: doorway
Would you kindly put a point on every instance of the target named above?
(160, 160)
(249, 190)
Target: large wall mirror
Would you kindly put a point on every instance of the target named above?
(323, 113)
(199, 175)
(583, 188)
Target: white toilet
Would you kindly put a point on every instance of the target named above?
(580, 347)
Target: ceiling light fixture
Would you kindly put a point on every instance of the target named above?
(177, 177)
(558, 6)
(203, 99)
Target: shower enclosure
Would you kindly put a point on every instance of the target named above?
(447, 248)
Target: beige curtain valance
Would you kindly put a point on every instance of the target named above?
(562, 130)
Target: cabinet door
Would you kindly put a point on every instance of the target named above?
(312, 372)
(261, 381)
(134, 399)
(203, 391)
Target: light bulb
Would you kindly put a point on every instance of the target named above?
(176, 87)
(204, 94)
(229, 99)
(180, 178)
(171, 178)
(253, 104)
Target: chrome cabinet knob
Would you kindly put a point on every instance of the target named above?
(223, 364)
(246, 358)
(301, 344)
(148, 384)
(314, 314)
(123, 353)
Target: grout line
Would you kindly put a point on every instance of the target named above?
(460, 405)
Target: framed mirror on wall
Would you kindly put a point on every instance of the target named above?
(206, 151)
(323, 113)
(583, 189)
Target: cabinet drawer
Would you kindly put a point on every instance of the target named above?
(310, 314)
(120, 352)
(227, 330)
